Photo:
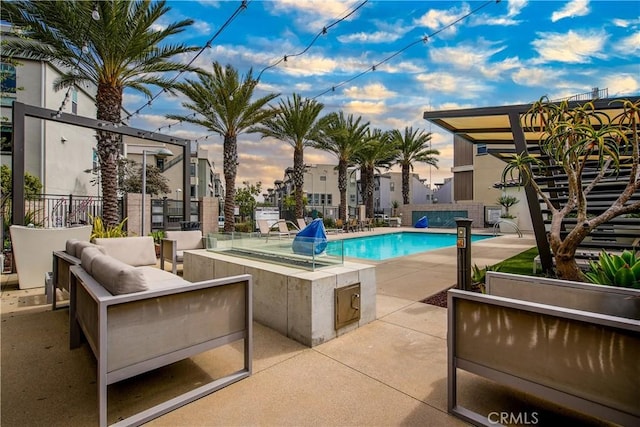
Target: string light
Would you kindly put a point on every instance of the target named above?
(95, 14)
(320, 33)
(423, 39)
(207, 45)
(84, 51)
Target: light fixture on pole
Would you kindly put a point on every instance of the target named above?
(162, 152)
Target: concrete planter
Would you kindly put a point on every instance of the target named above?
(33, 249)
(542, 336)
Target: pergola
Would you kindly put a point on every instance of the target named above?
(21, 111)
(502, 130)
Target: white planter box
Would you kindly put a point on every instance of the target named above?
(33, 250)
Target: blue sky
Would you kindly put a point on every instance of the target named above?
(509, 52)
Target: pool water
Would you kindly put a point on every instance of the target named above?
(386, 246)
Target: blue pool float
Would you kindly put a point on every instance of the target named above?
(422, 222)
(311, 240)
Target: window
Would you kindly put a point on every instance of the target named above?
(330, 199)
(74, 101)
(323, 178)
(192, 169)
(95, 160)
(7, 83)
(5, 137)
(482, 149)
(392, 186)
(160, 163)
(193, 191)
(352, 198)
(322, 199)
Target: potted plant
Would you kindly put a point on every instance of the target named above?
(157, 235)
(506, 201)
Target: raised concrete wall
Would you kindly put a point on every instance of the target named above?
(296, 303)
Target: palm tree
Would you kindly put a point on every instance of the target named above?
(376, 153)
(414, 147)
(295, 122)
(343, 138)
(122, 49)
(222, 103)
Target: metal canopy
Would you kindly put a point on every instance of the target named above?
(503, 129)
(21, 111)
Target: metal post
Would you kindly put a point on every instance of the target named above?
(144, 188)
(463, 228)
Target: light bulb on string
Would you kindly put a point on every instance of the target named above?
(95, 14)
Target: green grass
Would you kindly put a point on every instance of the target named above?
(521, 263)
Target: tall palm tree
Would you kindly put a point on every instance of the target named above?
(222, 103)
(122, 49)
(414, 148)
(375, 154)
(342, 137)
(295, 122)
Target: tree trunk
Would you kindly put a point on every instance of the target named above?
(342, 187)
(230, 167)
(405, 184)
(109, 105)
(298, 180)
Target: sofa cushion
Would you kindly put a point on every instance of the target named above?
(160, 279)
(74, 247)
(185, 240)
(118, 277)
(89, 254)
(134, 251)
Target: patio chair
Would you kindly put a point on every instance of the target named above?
(283, 228)
(301, 223)
(266, 230)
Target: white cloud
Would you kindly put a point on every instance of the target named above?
(312, 15)
(365, 107)
(372, 91)
(463, 86)
(571, 10)
(629, 45)
(573, 47)
(375, 37)
(466, 56)
(622, 84)
(202, 27)
(436, 19)
(625, 23)
(516, 6)
(535, 76)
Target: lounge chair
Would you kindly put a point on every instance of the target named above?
(266, 230)
(283, 228)
(301, 223)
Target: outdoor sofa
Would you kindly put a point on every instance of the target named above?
(172, 247)
(135, 251)
(574, 344)
(136, 319)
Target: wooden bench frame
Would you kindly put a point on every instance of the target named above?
(215, 312)
(524, 365)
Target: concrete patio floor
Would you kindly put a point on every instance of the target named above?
(390, 372)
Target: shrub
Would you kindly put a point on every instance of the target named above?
(616, 270)
(100, 230)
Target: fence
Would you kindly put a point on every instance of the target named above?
(167, 214)
(51, 210)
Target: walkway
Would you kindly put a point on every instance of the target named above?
(389, 372)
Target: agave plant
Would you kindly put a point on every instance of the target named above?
(616, 270)
(101, 230)
(479, 276)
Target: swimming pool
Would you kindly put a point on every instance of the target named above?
(385, 246)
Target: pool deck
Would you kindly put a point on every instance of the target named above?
(390, 372)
